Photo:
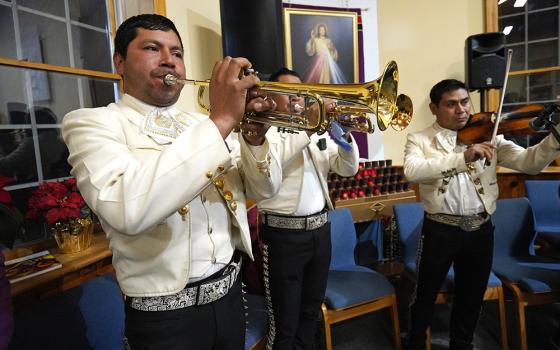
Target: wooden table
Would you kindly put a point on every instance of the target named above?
(376, 207)
(76, 268)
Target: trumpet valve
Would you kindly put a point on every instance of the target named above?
(250, 71)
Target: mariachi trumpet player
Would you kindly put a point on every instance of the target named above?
(295, 230)
(169, 189)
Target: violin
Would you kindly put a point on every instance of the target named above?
(526, 120)
(480, 126)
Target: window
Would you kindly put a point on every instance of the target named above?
(55, 56)
(534, 39)
(534, 77)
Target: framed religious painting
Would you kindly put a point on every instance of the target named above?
(324, 45)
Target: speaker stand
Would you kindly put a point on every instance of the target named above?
(482, 100)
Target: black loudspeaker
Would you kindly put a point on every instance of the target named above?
(485, 60)
(254, 29)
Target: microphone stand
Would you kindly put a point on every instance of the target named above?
(550, 125)
(547, 121)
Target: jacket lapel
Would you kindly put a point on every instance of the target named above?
(445, 140)
(162, 125)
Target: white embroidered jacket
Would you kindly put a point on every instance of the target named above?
(430, 162)
(137, 185)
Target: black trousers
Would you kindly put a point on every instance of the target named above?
(298, 265)
(217, 325)
(471, 256)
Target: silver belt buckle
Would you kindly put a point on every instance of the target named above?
(315, 222)
(469, 223)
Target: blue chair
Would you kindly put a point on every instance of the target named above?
(544, 196)
(257, 322)
(89, 316)
(532, 279)
(410, 217)
(353, 290)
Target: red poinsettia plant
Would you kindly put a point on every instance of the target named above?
(57, 202)
(10, 217)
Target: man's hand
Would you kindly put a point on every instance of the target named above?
(478, 151)
(257, 102)
(340, 136)
(228, 92)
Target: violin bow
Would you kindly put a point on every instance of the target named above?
(499, 115)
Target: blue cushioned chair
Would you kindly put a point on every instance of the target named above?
(532, 279)
(257, 322)
(410, 217)
(353, 290)
(544, 196)
(90, 316)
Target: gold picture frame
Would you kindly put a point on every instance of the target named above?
(323, 45)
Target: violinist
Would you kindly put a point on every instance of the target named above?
(458, 188)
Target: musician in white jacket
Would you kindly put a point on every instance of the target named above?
(458, 192)
(169, 189)
(295, 231)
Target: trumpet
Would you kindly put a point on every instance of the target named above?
(355, 103)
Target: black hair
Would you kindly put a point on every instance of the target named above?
(283, 71)
(444, 86)
(128, 29)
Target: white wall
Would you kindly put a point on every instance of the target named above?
(199, 24)
(427, 39)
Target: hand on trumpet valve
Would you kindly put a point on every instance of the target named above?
(250, 71)
(258, 102)
(229, 91)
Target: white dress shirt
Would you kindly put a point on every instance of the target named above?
(311, 197)
(461, 197)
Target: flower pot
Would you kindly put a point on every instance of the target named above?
(73, 236)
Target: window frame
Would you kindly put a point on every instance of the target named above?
(492, 25)
(114, 18)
